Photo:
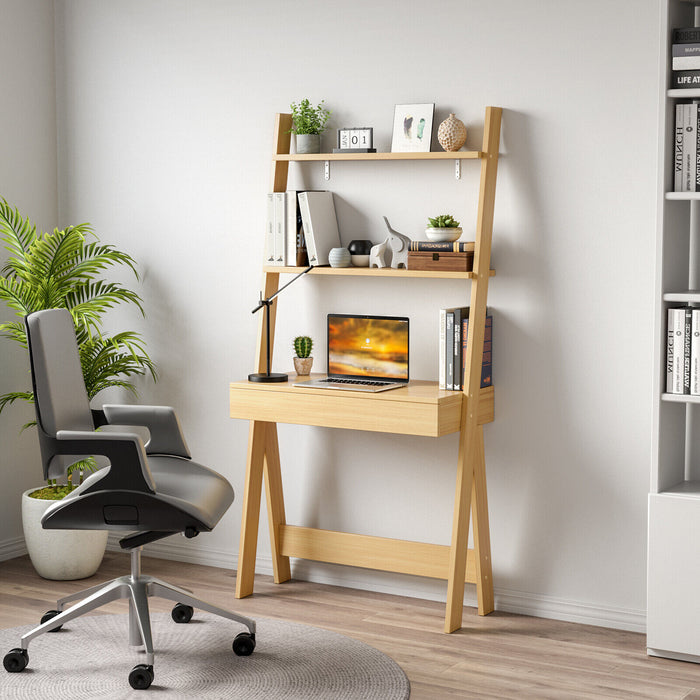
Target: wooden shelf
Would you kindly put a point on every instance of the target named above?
(447, 155)
(375, 272)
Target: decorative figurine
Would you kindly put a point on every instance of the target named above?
(376, 255)
(399, 245)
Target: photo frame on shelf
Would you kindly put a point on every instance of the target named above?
(413, 128)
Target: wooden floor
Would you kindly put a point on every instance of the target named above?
(498, 656)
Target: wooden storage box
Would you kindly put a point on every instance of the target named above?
(440, 261)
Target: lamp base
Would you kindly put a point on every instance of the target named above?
(271, 377)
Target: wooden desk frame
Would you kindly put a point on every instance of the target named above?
(428, 411)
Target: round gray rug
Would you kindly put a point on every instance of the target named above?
(91, 658)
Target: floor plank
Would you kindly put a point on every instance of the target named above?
(498, 656)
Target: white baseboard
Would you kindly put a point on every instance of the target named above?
(15, 547)
(517, 602)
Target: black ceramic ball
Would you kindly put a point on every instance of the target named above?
(360, 247)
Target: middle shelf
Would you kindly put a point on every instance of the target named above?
(376, 272)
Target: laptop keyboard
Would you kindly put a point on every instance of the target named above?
(362, 382)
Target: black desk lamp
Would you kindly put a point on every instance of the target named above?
(271, 376)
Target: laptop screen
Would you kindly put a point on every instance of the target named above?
(372, 347)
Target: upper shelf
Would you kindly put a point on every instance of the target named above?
(437, 155)
(376, 272)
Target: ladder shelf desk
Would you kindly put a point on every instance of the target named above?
(420, 408)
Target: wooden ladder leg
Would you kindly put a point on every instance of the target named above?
(245, 576)
(480, 524)
(460, 534)
(275, 503)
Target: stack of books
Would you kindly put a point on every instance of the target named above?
(454, 327)
(683, 351)
(685, 58)
(301, 228)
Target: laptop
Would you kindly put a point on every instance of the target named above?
(364, 353)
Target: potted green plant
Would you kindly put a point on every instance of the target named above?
(303, 360)
(308, 122)
(443, 228)
(64, 269)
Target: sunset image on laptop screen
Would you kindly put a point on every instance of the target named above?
(368, 347)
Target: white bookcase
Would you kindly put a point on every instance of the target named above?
(673, 579)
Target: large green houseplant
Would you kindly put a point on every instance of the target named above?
(64, 269)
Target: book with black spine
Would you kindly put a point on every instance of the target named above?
(685, 79)
(685, 35)
(442, 246)
(486, 359)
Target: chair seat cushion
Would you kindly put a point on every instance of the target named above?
(192, 487)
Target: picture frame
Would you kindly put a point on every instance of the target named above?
(413, 128)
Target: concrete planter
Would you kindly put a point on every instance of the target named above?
(308, 143)
(60, 555)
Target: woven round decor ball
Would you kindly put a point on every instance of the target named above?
(452, 133)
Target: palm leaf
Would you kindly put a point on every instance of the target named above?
(17, 232)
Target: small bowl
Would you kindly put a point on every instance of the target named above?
(360, 260)
(443, 234)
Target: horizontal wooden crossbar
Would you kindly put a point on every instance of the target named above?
(369, 552)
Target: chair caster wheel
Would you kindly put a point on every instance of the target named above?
(244, 644)
(141, 677)
(16, 660)
(48, 616)
(182, 613)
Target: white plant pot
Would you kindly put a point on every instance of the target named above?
(60, 555)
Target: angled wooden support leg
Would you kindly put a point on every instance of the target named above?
(245, 576)
(275, 503)
(460, 534)
(482, 538)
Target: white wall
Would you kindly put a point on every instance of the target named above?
(28, 182)
(165, 125)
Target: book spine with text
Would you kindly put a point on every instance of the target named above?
(695, 353)
(675, 352)
(280, 219)
(270, 231)
(678, 149)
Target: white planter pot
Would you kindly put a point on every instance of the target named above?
(60, 555)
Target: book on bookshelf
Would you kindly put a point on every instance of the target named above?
(270, 230)
(320, 225)
(442, 246)
(685, 56)
(695, 352)
(686, 148)
(294, 235)
(454, 329)
(678, 350)
(486, 360)
(685, 35)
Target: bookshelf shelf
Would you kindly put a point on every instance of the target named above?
(683, 196)
(434, 414)
(689, 296)
(438, 155)
(684, 488)
(375, 272)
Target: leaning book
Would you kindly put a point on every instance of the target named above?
(320, 225)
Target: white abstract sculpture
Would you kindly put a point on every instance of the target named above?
(399, 245)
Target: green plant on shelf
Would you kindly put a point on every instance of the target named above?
(307, 119)
(443, 221)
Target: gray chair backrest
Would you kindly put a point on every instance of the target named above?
(59, 388)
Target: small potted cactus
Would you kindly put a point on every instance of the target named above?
(303, 360)
(443, 228)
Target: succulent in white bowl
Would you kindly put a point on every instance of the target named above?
(443, 228)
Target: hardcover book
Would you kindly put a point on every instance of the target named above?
(320, 225)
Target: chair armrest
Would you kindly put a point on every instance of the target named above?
(161, 421)
(125, 451)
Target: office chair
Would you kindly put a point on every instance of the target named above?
(151, 489)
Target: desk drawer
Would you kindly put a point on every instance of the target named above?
(408, 413)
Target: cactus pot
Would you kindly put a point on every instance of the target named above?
(303, 365)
